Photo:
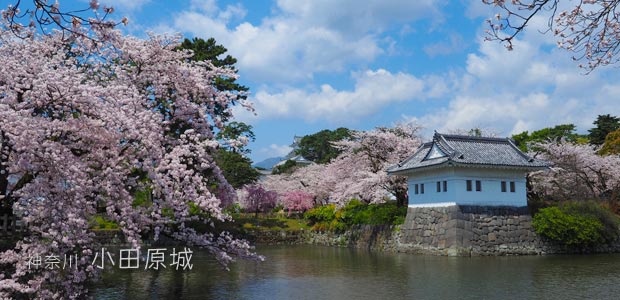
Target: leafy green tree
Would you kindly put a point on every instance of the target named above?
(234, 130)
(237, 169)
(604, 125)
(318, 147)
(524, 139)
(211, 51)
(612, 143)
(286, 168)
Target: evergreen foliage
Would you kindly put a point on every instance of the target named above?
(524, 140)
(604, 125)
(237, 169)
(612, 143)
(318, 147)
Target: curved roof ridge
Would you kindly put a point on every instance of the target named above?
(476, 138)
(527, 157)
(443, 144)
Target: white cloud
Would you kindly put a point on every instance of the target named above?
(529, 88)
(302, 38)
(353, 17)
(373, 91)
(276, 150)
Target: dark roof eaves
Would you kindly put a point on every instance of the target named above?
(543, 166)
(455, 163)
(431, 166)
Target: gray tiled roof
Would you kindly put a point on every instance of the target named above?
(468, 150)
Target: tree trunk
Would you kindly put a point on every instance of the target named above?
(5, 201)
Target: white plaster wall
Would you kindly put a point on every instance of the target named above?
(457, 193)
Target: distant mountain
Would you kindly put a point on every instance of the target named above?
(268, 163)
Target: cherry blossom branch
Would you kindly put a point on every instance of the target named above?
(43, 13)
(589, 28)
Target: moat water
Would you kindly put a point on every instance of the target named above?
(316, 272)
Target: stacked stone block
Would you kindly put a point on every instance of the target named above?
(470, 230)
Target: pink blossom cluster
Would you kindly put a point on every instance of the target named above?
(578, 173)
(84, 125)
(589, 28)
(297, 201)
(360, 171)
(257, 199)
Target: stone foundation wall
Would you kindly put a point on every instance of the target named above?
(470, 230)
(479, 230)
(383, 238)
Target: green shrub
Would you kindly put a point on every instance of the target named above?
(609, 220)
(577, 224)
(387, 213)
(355, 213)
(319, 214)
(233, 210)
(278, 208)
(100, 223)
(399, 220)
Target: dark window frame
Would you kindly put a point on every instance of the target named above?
(416, 189)
(468, 185)
(445, 186)
(512, 187)
(421, 188)
(438, 186)
(503, 186)
(478, 185)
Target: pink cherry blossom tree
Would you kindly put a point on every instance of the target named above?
(297, 201)
(86, 123)
(257, 199)
(360, 171)
(309, 179)
(577, 173)
(590, 29)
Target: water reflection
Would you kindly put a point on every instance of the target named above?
(313, 272)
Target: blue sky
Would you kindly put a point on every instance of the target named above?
(314, 65)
